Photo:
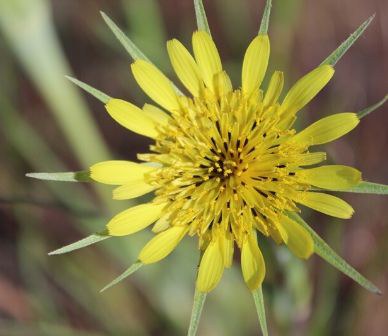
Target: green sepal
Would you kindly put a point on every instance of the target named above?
(260, 308)
(368, 188)
(327, 253)
(129, 46)
(132, 269)
(80, 176)
(90, 240)
(372, 108)
(200, 14)
(198, 303)
(337, 54)
(265, 19)
(101, 96)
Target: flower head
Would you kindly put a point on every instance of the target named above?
(227, 163)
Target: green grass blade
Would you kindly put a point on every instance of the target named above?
(124, 275)
(199, 301)
(369, 188)
(326, 253)
(372, 108)
(90, 240)
(265, 20)
(200, 14)
(260, 308)
(81, 176)
(101, 96)
(337, 54)
(129, 46)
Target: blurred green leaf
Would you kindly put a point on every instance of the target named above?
(337, 54)
(28, 28)
(325, 252)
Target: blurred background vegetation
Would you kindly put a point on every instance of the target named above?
(46, 124)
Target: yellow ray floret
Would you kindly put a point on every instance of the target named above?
(185, 67)
(162, 244)
(131, 117)
(207, 57)
(274, 90)
(156, 85)
(299, 240)
(255, 64)
(132, 189)
(327, 129)
(327, 204)
(335, 177)
(211, 267)
(305, 89)
(134, 219)
(252, 262)
(118, 172)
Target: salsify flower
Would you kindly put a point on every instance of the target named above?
(227, 163)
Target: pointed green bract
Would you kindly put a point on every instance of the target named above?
(369, 188)
(265, 20)
(81, 176)
(327, 253)
(90, 240)
(126, 274)
(199, 301)
(200, 14)
(129, 46)
(101, 96)
(260, 308)
(337, 54)
(372, 108)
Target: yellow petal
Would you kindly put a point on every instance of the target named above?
(156, 114)
(327, 204)
(222, 84)
(211, 267)
(252, 262)
(255, 64)
(134, 219)
(162, 244)
(133, 189)
(299, 240)
(308, 159)
(185, 67)
(118, 172)
(131, 117)
(335, 177)
(161, 224)
(327, 129)
(207, 57)
(275, 88)
(156, 85)
(227, 246)
(306, 88)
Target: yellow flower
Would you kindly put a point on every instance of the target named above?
(226, 163)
